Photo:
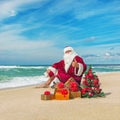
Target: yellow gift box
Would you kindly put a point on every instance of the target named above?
(47, 97)
(75, 94)
(60, 96)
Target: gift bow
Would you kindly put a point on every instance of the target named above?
(47, 93)
(64, 92)
(73, 86)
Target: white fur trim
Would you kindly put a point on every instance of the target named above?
(52, 69)
(68, 48)
(80, 70)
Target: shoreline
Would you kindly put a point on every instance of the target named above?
(98, 73)
(10, 88)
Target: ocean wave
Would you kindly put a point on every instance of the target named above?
(107, 72)
(17, 76)
(22, 81)
(24, 67)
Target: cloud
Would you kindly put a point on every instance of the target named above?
(12, 13)
(12, 41)
(90, 56)
(10, 8)
(87, 10)
(107, 54)
(90, 39)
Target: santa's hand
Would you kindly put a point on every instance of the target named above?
(75, 63)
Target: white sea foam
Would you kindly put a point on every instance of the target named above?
(22, 81)
(25, 67)
(8, 66)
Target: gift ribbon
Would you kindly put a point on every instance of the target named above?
(64, 92)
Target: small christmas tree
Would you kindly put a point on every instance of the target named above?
(90, 85)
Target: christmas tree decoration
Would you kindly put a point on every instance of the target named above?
(91, 85)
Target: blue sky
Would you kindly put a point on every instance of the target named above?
(36, 31)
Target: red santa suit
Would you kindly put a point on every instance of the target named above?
(64, 69)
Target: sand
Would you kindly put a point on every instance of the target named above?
(25, 103)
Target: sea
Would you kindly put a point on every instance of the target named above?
(19, 76)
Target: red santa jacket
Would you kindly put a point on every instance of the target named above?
(63, 75)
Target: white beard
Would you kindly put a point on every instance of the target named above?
(68, 58)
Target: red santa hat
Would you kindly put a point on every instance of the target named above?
(68, 48)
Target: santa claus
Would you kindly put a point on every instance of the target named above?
(72, 66)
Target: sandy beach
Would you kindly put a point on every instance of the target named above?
(25, 103)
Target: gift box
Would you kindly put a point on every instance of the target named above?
(71, 83)
(75, 94)
(47, 96)
(67, 83)
(61, 94)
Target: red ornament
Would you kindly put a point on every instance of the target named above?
(86, 76)
(98, 90)
(97, 85)
(85, 82)
(89, 89)
(96, 81)
(84, 90)
(90, 94)
(91, 76)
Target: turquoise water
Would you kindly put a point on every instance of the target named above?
(16, 76)
(106, 68)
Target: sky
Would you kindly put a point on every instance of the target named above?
(35, 32)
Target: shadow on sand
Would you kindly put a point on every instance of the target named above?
(109, 93)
